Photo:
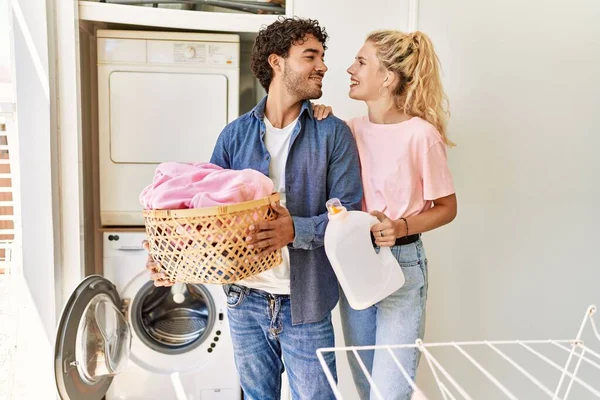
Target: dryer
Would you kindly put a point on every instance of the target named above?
(121, 336)
(162, 96)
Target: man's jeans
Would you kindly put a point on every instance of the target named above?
(262, 333)
(397, 319)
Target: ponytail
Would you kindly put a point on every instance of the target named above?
(419, 91)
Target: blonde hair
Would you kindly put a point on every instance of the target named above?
(419, 91)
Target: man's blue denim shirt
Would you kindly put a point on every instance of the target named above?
(322, 163)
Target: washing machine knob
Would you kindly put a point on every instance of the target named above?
(190, 52)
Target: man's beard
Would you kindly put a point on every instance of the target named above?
(299, 86)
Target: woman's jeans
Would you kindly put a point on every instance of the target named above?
(397, 319)
(264, 339)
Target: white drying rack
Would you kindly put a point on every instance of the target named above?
(575, 348)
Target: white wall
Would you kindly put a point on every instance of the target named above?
(520, 260)
(35, 144)
(46, 59)
(6, 89)
(37, 305)
(64, 25)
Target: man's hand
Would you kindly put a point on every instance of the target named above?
(159, 278)
(269, 236)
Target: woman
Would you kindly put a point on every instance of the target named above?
(407, 186)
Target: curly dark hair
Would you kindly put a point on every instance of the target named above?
(278, 38)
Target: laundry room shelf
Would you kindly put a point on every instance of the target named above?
(178, 19)
(552, 368)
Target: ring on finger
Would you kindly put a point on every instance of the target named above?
(381, 233)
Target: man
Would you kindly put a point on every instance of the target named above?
(284, 314)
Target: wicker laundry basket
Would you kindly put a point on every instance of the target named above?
(207, 245)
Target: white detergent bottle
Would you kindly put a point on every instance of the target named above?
(365, 276)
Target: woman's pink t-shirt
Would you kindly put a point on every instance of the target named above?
(404, 166)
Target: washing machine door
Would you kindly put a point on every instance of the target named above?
(93, 341)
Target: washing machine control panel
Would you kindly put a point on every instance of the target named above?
(169, 52)
(193, 53)
(124, 242)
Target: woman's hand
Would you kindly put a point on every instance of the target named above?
(386, 231)
(321, 111)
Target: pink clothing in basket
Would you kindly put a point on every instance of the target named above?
(180, 185)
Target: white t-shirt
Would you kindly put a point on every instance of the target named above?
(277, 279)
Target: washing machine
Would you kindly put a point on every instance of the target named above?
(122, 337)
